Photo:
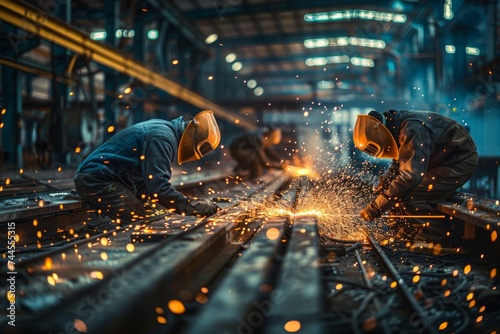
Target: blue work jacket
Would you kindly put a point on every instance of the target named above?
(140, 157)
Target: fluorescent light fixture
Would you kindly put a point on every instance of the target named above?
(343, 41)
(211, 38)
(329, 84)
(251, 83)
(125, 33)
(321, 61)
(98, 35)
(316, 61)
(230, 58)
(326, 84)
(237, 66)
(472, 51)
(152, 34)
(351, 14)
(449, 48)
(448, 10)
(258, 91)
(316, 43)
(367, 42)
(338, 59)
(364, 62)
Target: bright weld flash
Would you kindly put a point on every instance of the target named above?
(295, 171)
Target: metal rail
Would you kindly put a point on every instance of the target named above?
(403, 287)
(368, 283)
(129, 284)
(275, 285)
(482, 212)
(242, 270)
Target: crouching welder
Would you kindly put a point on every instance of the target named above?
(253, 151)
(134, 166)
(433, 156)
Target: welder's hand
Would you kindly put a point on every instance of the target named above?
(201, 207)
(382, 185)
(370, 212)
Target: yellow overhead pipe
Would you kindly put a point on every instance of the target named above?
(37, 22)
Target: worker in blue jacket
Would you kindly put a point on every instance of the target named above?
(134, 166)
(432, 156)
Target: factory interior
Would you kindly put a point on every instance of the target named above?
(301, 245)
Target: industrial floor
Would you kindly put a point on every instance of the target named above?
(285, 254)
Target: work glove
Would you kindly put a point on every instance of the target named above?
(201, 207)
(376, 207)
(382, 185)
(370, 212)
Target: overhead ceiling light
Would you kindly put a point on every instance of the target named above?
(326, 84)
(449, 48)
(316, 61)
(472, 51)
(98, 35)
(316, 43)
(448, 10)
(211, 38)
(367, 42)
(258, 91)
(230, 58)
(321, 61)
(251, 83)
(351, 14)
(364, 62)
(237, 66)
(343, 41)
(125, 33)
(152, 34)
(338, 59)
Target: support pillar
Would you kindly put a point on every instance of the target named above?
(11, 117)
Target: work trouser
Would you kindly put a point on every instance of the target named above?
(111, 197)
(438, 184)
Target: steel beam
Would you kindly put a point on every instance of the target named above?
(167, 11)
(240, 294)
(32, 20)
(232, 9)
(10, 113)
(299, 282)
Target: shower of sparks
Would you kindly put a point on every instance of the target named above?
(339, 198)
(415, 216)
(334, 198)
(296, 171)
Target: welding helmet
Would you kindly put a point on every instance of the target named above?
(200, 137)
(272, 136)
(372, 137)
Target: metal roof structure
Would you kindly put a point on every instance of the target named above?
(245, 57)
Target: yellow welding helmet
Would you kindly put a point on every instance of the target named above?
(200, 137)
(272, 137)
(373, 138)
